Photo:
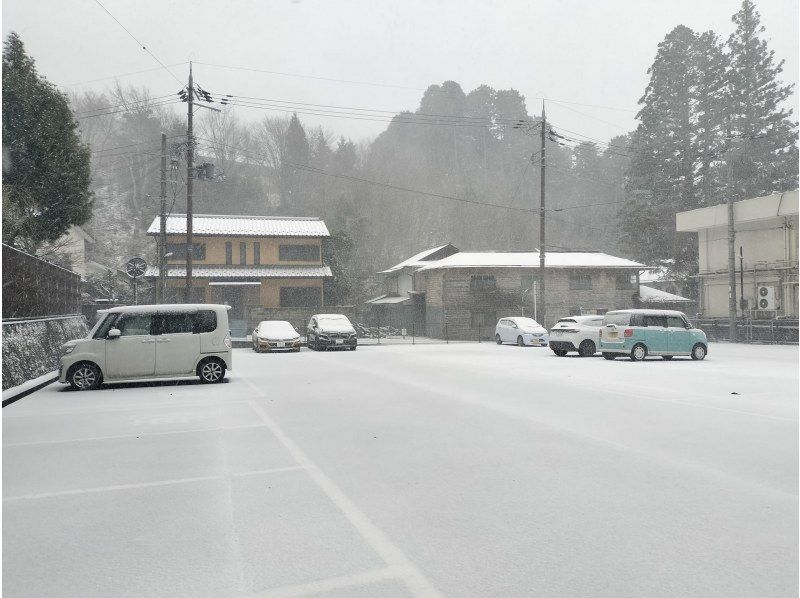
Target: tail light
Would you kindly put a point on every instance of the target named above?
(628, 332)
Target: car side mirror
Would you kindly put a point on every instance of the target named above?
(114, 333)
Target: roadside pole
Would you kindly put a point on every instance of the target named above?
(542, 309)
(189, 186)
(731, 265)
(162, 237)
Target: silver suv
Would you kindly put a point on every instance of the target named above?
(331, 331)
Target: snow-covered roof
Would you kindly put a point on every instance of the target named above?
(651, 295)
(244, 271)
(416, 260)
(171, 308)
(245, 226)
(530, 259)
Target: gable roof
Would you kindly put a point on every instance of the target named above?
(423, 258)
(530, 259)
(245, 226)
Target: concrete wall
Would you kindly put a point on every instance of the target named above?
(32, 348)
(215, 249)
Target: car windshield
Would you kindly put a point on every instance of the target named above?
(336, 320)
(527, 323)
(276, 327)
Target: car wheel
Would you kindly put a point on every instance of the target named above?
(609, 356)
(520, 341)
(639, 352)
(497, 339)
(84, 376)
(587, 349)
(560, 352)
(667, 357)
(211, 371)
(699, 352)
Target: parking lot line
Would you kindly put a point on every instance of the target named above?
(335, 583)
(416, 582)
(209, 478)
(132, 435)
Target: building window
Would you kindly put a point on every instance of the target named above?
(228, 253)
(482, 283)
(580, 281)
(257, 254)
(178, 251)
(242, 253)
(483, 319)
(301, 296)
(298, 253)
(626, 281)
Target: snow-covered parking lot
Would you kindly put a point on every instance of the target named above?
(457, 470)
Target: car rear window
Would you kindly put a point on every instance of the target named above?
(567, 320)
(205, 321)
(618, 319)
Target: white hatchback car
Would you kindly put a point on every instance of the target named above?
(270, 335)
(150, 342)
(576, 333)
(520, 330)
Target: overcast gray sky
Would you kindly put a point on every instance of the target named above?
(582, 52)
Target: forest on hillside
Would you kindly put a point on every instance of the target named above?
(463, 167)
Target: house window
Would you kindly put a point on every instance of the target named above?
(580, 281)
(482, 283)
(257, 254)
(301, 296)
(178, 251)
(483, 319)
(228, 253)
(243, 253)
(298, 253)
(625, 281)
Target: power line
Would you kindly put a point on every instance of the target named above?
(124, 104)
(137, 41)
(120, 75)
(135, 108)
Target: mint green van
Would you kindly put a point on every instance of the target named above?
(642, 332)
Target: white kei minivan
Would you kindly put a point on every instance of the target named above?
(150, 342)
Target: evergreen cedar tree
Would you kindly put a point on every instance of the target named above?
(46, 171)
(711, 125)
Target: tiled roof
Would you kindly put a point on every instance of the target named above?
(246, 226)
(215, 272)
(530, 259)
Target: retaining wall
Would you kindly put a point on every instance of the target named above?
(32, 348)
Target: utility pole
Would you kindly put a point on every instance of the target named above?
(189, 181)
(731, 271)
(542, 310)
(162, 237)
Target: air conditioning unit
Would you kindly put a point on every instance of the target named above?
(766, 297)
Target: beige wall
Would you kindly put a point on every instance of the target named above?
(271, 288)
(768, 243)
(215, 249)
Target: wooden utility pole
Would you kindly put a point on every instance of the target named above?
(542, 309)
(162, 237)
(189, 181)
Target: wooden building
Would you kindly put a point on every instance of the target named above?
(263, 267)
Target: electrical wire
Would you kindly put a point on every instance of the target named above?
(138, 42)
(123, 105)
(137, 109)
(120, 75)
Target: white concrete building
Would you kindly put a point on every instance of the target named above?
(766, 255)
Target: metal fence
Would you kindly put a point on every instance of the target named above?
(33, 287)
(750, 331)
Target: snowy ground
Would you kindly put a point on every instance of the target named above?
(458, 470)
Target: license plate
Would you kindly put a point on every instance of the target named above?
(281, 344)
(339, 341)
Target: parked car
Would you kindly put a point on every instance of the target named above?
(519, 330)
(642, 332)
(271, 335)
(331, 331)
(576, 333)
(150, 342)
